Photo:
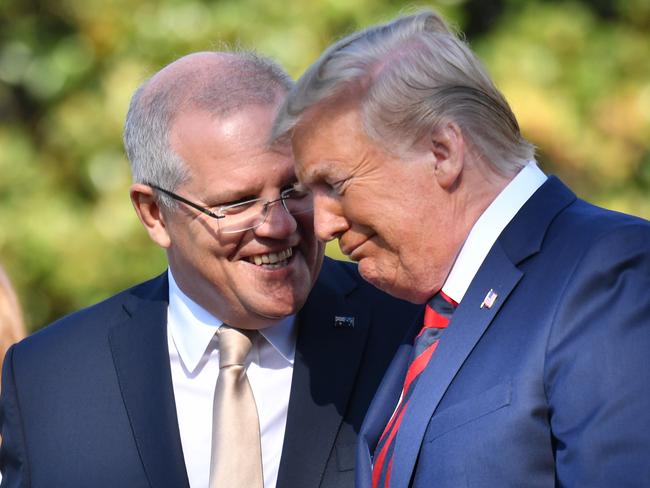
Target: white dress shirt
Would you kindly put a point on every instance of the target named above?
(489, 226)
(194, 359)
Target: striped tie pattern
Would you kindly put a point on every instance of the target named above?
(437, 314)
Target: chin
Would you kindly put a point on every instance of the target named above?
(368, 271)
(269, 317)
(397, 289)
(282, 307)
(380, 283)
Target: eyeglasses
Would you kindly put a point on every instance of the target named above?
(249, 214)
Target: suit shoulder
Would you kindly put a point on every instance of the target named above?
(600, 258)
(582, 229)
(337, 277)
(344, 276)
(593, 221)
(334, 269)
(86, 323)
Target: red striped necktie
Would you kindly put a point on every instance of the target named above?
(437, 314)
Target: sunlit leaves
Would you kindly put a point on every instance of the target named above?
(576, 73)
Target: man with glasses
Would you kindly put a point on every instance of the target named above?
(239, 367)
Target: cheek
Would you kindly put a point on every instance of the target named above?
(224, 247)
(372, 210)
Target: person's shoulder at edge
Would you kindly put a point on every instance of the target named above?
(592, 225)
(87, 320)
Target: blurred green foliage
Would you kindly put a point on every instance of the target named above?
(576, 73)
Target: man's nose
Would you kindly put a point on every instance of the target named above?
(329, 221)
(279, 223)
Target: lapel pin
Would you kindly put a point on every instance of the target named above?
(344, 322)
(489, 299)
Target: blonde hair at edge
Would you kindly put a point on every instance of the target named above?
(12, 328)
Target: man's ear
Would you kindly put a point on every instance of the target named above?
(150, 213)
(448, 148)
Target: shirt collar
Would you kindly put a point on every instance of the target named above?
(192, 328)
(489, 226)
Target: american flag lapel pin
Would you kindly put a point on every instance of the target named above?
(489, 299)
(343, 322)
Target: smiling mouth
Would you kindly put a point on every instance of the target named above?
(272, 260)
(352, 252)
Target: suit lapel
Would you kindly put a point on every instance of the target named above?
(499, 273)
(141, 358)
(458, 342)
(325, 367)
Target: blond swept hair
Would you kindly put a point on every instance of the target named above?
(410, 77)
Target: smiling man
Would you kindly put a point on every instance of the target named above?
(530, 365)
(240, 366)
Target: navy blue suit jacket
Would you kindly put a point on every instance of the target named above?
(88, 401)
(548, 387)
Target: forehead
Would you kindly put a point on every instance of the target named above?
(231, 148)
(327, 136)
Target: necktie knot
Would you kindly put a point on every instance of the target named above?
(439, 310)
(234, 345)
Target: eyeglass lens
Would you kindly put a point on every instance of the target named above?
(250, 215)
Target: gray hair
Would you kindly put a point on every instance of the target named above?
(225, 83)
(412, 76)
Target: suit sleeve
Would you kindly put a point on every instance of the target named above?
(13, 461)
(597, 374)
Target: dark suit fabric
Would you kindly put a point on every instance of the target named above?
(89, 402)
(549, 387)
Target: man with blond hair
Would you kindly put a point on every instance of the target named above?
(530, 366)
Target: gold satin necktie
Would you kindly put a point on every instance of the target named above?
(236, 459)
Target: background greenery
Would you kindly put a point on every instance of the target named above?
(576, 72)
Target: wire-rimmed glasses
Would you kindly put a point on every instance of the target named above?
(249, 214)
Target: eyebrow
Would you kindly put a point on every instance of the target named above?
(227, 196)
(319, 172)
(230, 195)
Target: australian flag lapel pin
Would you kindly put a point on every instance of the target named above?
(343, 322)
(489, 299)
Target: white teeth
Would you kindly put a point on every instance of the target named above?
(272, 258)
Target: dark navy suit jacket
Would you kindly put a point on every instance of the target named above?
(548, 387)
(88, 401)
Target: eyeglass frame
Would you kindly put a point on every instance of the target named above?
(210, 213)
